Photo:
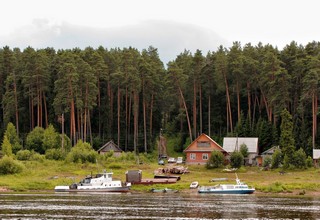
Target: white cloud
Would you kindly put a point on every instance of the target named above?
(171, 38)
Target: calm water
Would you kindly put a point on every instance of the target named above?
(155, 206)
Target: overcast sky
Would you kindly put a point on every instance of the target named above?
(169, 25)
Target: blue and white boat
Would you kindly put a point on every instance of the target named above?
(239, 188)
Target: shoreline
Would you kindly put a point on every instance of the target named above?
(296, 193)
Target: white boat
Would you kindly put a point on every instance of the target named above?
(102, 182)
(239, 188)
(194, 185)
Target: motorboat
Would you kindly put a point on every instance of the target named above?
(101, 182)
(194, 185)
(238, 188)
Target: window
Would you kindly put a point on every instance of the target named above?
(203, 144)
(205, 157)
(192, 156)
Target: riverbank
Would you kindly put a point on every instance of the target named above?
(45, 175)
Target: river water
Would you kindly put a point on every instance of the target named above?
(155, 206)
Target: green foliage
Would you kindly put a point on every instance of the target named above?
(309, 162)
(286, 138)
(24, 154)
(82, 152)
(34, 140)
(13, 138)
(299, 159)
(6, 147)
(55, 154)
(236, 159)
(244, 150)
(276, 159)
(267, 161)
(51, 139)
(10, 166)
(216, 160)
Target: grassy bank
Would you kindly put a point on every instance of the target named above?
(47, 174)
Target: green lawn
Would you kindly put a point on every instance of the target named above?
(47, 174)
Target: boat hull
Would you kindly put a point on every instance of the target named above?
(110, 189)
(247, 191)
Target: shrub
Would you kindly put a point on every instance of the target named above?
(267, 162)
(276, 159)
(309, 162)
(82, 152)
(24, 155)
(51, 138)
(6, 146)
(10, 166)
(216, 160)
(34, 140)
(236, 159)
(299, 159)
(244, 150)
(55, 154)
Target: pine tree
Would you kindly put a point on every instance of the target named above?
(287, 143)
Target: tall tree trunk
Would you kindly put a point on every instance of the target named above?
(200, 108)
(187, 115)
(45, 109)
(99, 108)
(209, 115)
(238, 100)
(151, 119)
(145, 125)
(126, 140)
(118, 108)
(16, 104)
(135, 120)
(249, 102)
(229, 113)
(194, 110)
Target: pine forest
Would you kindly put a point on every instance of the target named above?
(131, 96)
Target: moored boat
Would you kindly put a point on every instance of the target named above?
(194, 185)
(238, 188)
(165, 190)
(101, 182)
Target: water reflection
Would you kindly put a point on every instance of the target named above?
(155, 206)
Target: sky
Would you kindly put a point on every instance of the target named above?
(171, 26)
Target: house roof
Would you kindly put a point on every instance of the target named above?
(110, 146)
(316, 154)
(230, 144)
(205, 149)
(270, 151)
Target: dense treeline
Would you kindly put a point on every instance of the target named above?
(129, 96)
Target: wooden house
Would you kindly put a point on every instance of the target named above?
(110, 146)
(199, 151)
(231, 144)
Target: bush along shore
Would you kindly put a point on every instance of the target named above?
(41, 174)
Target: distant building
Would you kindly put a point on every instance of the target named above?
(199, 151)
(231, 144)
(110, 146)
(316, 156)
(267, 153)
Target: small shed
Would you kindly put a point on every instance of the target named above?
(316, 156)
(268, 153)
(231, 144)
(110, 146)
(199, 151)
